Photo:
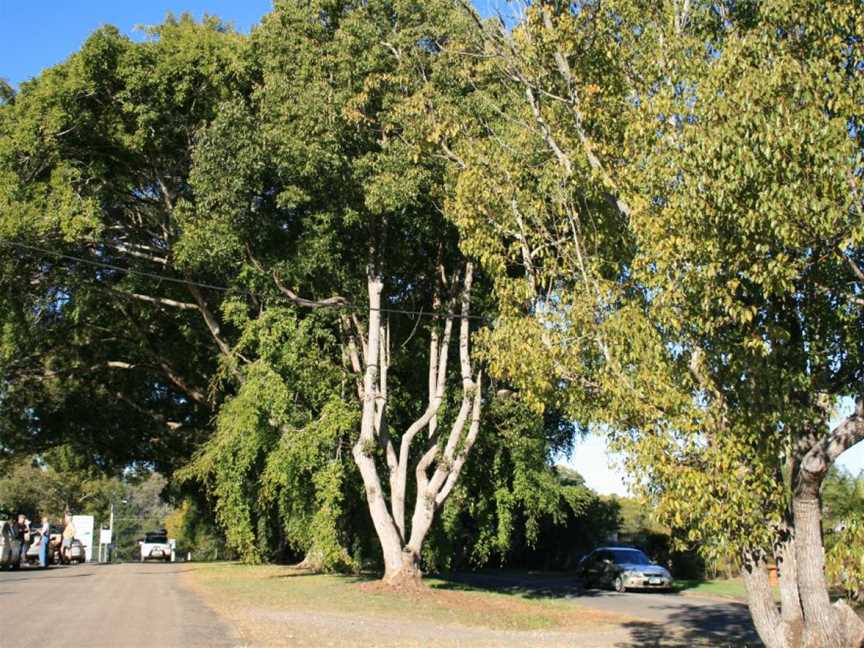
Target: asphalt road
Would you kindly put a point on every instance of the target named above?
(124, 606)
(658, 618)
(146, 605)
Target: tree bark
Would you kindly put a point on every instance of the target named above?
(364, 449)
(825, 625)
(790, 598)
(821, 627)
(401, 546)
(760, 600)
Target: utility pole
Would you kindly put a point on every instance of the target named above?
(114, 542)
(105, 549)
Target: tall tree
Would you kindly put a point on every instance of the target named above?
(721, 310)
(94, 157)
(326, 200)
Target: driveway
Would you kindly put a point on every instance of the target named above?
(658, 619)
(129, 606)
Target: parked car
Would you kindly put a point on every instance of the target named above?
(622, 568)
(10, 547)
(156, 546)
(76, 554)
(55, 541)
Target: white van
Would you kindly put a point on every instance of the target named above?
(156, 546)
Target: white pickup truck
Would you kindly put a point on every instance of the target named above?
(157, 546)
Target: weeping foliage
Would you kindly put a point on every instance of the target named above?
(509, 490)
(273, 466)
(307, 488)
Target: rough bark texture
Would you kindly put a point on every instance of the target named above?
(821, 627)
(790, 598)
(760, 600)
(807, 618)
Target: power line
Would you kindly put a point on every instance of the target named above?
(198, 284)
(111, 266)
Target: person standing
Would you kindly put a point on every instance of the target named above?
(22, 532)
(68, 535)
(44, 539)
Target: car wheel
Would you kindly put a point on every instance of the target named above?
(619, 584)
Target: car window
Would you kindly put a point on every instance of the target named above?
(629, 557)
(155, 538)
(600, 556)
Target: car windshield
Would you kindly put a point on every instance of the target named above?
(155, 538)
(629, 557)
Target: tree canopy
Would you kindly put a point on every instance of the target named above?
(370, 268)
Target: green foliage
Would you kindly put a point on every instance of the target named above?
(770, 333)
(277, 441)
(670, 212)
(845, 557)
(57, 481)
(191, 525)
(93, 153)
(842, 496)
(843, 521)
(509, 494)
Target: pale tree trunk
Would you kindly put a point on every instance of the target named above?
(821, 627)
(400, 545)
(777, 628)
(364, 449)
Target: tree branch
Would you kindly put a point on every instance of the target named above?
(819, 459)
(330, 302)
(159, 301)
(210, 320)
(111, 364)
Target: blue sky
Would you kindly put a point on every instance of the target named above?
(36, 35)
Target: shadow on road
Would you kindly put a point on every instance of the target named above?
(681, 621)
(692, 627)
(41, 575)
(517, 585)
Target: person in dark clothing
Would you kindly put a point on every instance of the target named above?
(22, 532)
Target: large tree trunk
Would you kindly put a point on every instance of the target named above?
(821, 621)
(760, 600)
(401, 546)
(364, 449)
(790, 598)
(825, 625)
(807, 618)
